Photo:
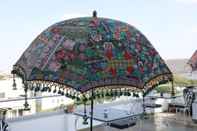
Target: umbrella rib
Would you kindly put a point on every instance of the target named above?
(59, 43)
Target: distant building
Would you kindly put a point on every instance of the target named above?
(14, 99)
(193, 61)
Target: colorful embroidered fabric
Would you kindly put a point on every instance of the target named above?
(93, 52)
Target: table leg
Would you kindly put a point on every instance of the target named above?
(76, 119)
(106, 127)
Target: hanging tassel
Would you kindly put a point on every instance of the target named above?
(121, 93)
(98, 94)
(69, 93)
(74, 95)
(66, 93)
(113, 93)
(107, 93)
(49, 90)
(49, 87)
(55, 90)
(46, 88)
(14, 83)
(37, 88)
(31, 87)
(43, 88)
(116, 93)
(102, 93)
(59, 91)
(84, 99)
(89, 95)
(63, 92)
(128, 93)
(125, 92)
(137, 95)
(78, 97)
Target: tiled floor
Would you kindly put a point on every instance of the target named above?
(159, 122)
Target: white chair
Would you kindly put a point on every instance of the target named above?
(188, 96)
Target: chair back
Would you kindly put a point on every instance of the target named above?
(188, 96)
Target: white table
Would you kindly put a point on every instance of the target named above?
(108, 115)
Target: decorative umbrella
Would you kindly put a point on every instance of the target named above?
(193, 61)
(82, 57)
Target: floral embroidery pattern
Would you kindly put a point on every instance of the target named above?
(81, 51)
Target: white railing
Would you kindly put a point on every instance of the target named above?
(61, 121)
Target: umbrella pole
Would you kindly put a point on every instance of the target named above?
(92, 107)
(143, 102)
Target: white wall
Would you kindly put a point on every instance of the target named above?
(6, 86)
(50, 103)
(55, 122)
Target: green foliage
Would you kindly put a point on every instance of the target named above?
(182, 81)
(2, 77)
(179, 81)
(164, 88)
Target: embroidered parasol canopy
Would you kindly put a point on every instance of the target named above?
(91, 52)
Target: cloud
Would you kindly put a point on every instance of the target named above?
(187, 1)
(194, 30)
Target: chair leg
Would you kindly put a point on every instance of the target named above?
(188, 112)
(177, 110)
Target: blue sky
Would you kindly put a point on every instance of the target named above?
(170, 25)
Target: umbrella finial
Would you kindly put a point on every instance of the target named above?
(94, 13)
